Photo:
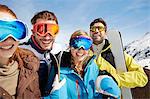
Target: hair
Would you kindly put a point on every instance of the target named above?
(4, 8)
(79, 33)
(97, 21)
(47, 15)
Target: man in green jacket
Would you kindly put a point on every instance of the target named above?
(134, 77)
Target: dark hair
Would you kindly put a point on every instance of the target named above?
(97, 21)
(47, 15)
(4, 8)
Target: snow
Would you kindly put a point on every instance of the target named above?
(140, 50)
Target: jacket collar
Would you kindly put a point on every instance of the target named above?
(106, 46)
(68, 69)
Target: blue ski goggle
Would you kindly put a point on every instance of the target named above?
(81, 42)
(13, 28)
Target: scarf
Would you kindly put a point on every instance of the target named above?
(9, 77)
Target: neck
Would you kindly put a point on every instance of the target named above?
(4, 61)
(77, 63)
(99, 43)
(79, 67)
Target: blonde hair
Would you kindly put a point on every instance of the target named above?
(4, 8)
(79, 33)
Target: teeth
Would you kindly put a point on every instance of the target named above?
(79, 54)
(6, 47)
(46, 42)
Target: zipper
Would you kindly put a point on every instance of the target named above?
(77, 87)
(77, 84)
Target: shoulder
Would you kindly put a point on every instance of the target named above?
(65, 59)
(128, 57)
(26, 52)
(29, 58)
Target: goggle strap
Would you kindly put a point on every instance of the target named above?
(81, 37)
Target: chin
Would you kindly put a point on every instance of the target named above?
(7, 55)
(80, 58)
(47, 47)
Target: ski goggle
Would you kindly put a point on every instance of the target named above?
(100, 28)
(81, 42)
(12, 28)
(44, 28)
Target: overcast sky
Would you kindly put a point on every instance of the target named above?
(130, 17)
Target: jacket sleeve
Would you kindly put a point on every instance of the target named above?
(54, 95)
(60, 93)
(135, 77)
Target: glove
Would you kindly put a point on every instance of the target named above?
(56, 84)
(107, 86)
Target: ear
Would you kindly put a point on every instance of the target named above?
(90, 33)
(106, 32)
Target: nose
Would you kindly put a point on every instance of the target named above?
(81, 49)
(48, 36)
(97, 30)
(10, 39)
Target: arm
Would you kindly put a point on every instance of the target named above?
(135, 77)
(135, 73)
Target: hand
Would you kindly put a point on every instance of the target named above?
(107, 86)
(56, 84)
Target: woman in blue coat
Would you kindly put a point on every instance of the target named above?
(83, 79)
(81, 74)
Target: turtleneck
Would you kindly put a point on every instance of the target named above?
(98, 48)
(9, 77)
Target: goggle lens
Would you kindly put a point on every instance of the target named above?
(81, 42)
(44, 28)
(13, 28)
(100, 28)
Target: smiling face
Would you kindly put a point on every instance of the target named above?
(98, 33)
(79, 54)
(45, 42)
(80, 44)
(9, 45)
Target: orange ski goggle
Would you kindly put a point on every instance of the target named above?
(44, 28)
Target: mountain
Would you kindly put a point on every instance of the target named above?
(140, 50)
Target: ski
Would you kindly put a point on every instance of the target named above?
(115, 40)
